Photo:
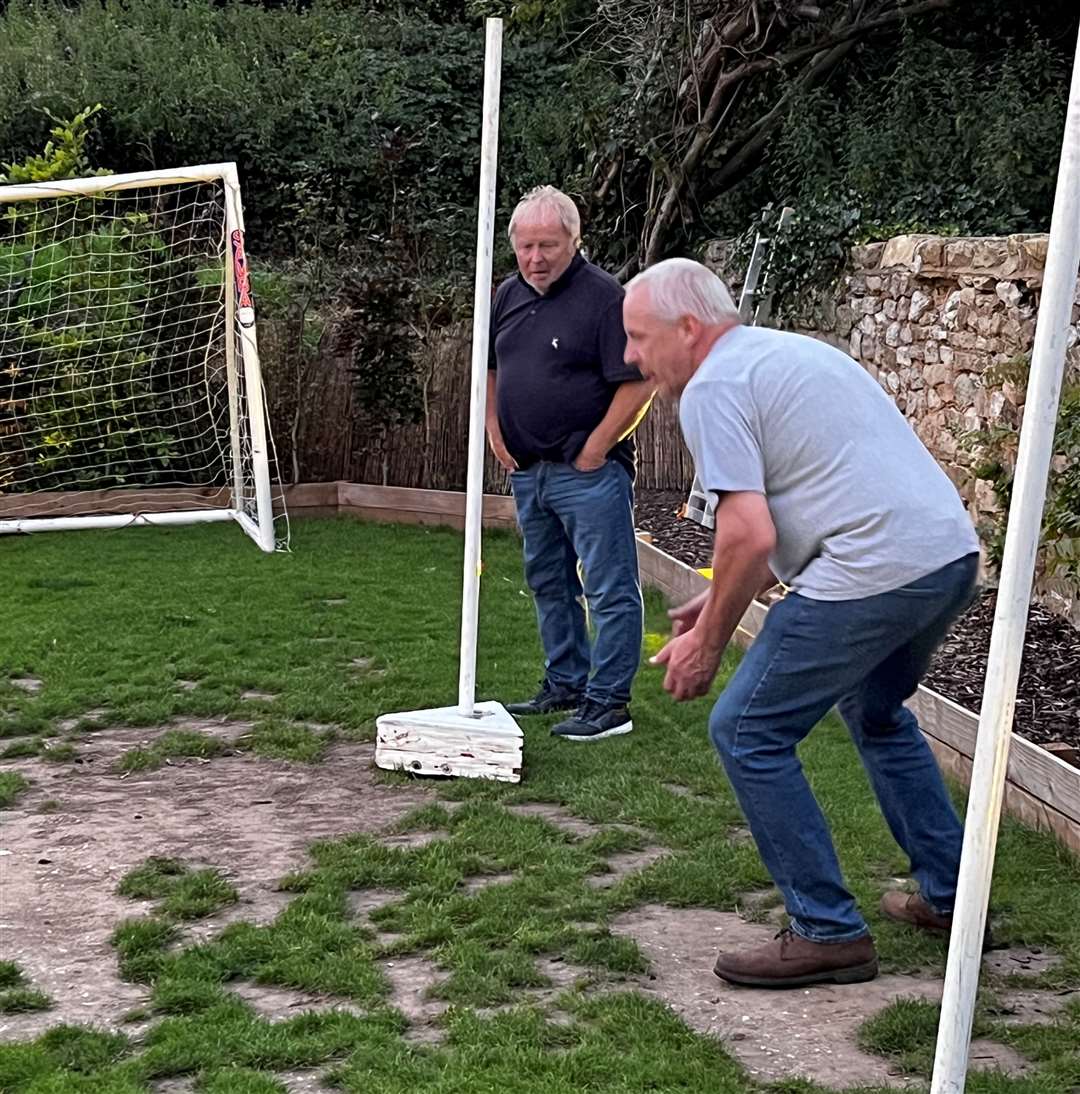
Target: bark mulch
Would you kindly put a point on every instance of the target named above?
(1048, 697)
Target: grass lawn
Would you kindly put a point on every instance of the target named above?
(140, 627)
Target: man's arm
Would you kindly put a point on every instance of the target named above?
(745, 537)
(491, 421)
(629, 400)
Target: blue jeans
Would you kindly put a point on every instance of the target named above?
(565, 515)
(865, 657)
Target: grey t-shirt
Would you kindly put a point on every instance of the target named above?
(859, 504)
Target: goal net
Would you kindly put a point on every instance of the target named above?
(130, 390)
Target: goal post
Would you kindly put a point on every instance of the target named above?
(130, 385)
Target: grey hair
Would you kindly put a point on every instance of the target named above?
(680, 286)
(547, 198)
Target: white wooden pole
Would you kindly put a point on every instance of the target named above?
(474, 498)
(249, 352)
(1010, 618)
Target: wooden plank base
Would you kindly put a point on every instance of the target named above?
(444, 742)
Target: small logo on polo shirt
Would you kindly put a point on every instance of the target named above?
(555, 343)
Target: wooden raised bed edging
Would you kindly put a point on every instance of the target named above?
(1041, 790)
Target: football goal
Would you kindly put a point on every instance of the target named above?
(130, 389)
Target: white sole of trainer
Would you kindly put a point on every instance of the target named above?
(615, 731)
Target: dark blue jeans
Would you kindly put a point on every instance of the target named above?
(565, 515)
(865, 657)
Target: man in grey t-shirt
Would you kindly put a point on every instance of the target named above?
(821, 483)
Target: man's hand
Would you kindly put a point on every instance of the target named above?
(686, 615)
(590, 460)
(501, 452)
(690, 667)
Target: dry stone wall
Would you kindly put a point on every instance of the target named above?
(946, 326)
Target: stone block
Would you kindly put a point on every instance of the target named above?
(930, 351)
(892, 334)
(889, 308)
(964, 388)
(945, 352)
(930, 250)
(935, 374)
(868, 256)
(920, 301)
(986, 501)
(1009, 292)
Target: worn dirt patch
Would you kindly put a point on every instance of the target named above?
(808, 1032)
(411, 979)
(410, 840)
(362, 902)
(625, 863)
(275, 1003)
(485, 881)
(256, 816)
(254, 695)
(557, 816)
(103, 748)
(1021, 961)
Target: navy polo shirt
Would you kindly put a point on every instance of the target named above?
(559, 360)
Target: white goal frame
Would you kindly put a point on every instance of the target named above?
(239, 321)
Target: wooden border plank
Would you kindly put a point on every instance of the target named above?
(407, 505)
(1041, 789)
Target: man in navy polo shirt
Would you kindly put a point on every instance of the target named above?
(561, 406)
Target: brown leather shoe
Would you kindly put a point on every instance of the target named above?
(912, 909)
(791, 961)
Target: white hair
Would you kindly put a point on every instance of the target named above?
(680, 286)
(547, 199)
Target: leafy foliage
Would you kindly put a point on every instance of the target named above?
(83, 403)
(970, 145)
(996, 450)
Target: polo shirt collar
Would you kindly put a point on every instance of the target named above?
(563, 280)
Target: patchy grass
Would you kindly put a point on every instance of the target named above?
(237, 621)
(184, 893)
(906, 1032)
(12, 784)
(171, 745)
(22, 1000)
(11, 976)
(16, 995)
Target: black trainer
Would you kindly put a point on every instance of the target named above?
(594, 720)
(548, 700)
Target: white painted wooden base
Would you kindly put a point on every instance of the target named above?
(444, 742)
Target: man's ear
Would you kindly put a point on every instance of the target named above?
(689, 327)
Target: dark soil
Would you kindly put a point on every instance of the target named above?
(1048, 697)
